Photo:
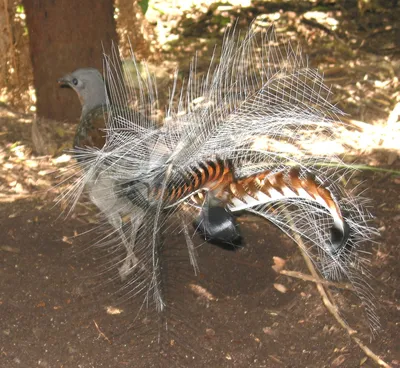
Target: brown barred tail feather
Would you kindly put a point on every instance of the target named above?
(217, 178)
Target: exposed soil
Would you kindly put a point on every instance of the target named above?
(53, 309)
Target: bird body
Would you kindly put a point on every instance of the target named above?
(103, 191)
(90, 132)
(107, 193)
(206, 157)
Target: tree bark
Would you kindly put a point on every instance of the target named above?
(65, 35)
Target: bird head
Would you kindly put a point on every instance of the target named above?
(89, 85)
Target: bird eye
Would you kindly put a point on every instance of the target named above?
(74, 81)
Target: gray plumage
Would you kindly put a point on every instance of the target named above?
(103, 191)
(89, 85)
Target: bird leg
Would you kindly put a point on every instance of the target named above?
(103, 195)
(131, 261)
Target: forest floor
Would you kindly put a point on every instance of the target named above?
(59, 308)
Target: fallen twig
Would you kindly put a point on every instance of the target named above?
(100, 332)
(370, 353)
(304, 277)
(332, 308)
(328, 304)
(328, 300)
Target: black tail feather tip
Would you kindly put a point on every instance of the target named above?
(340, 239)
(219, 226)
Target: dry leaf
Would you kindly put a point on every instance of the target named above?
(7, 248)
(279, 264)
(65, 239)
(281, 288)
(113, 310)
(201, 292)
(210, 332)
(338, 361)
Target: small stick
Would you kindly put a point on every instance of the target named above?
(304, 277)
(328, 304)
(100, 332)
(329, 301)
(333, 309)
(368, 352)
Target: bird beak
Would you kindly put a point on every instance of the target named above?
(64, 82)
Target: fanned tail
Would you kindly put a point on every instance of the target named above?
(240, 139)
(330, 223)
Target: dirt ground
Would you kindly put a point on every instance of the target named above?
(55, 306)
(61, 306)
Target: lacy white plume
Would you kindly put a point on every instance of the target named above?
(257, 99)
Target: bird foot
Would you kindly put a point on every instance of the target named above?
(130, 263)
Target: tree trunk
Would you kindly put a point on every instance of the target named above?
(135, 30)
(65, 35)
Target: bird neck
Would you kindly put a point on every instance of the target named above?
(93, 108)
(93, 96)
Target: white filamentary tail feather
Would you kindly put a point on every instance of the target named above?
(207, 150)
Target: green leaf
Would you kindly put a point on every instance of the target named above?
(144, 5)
